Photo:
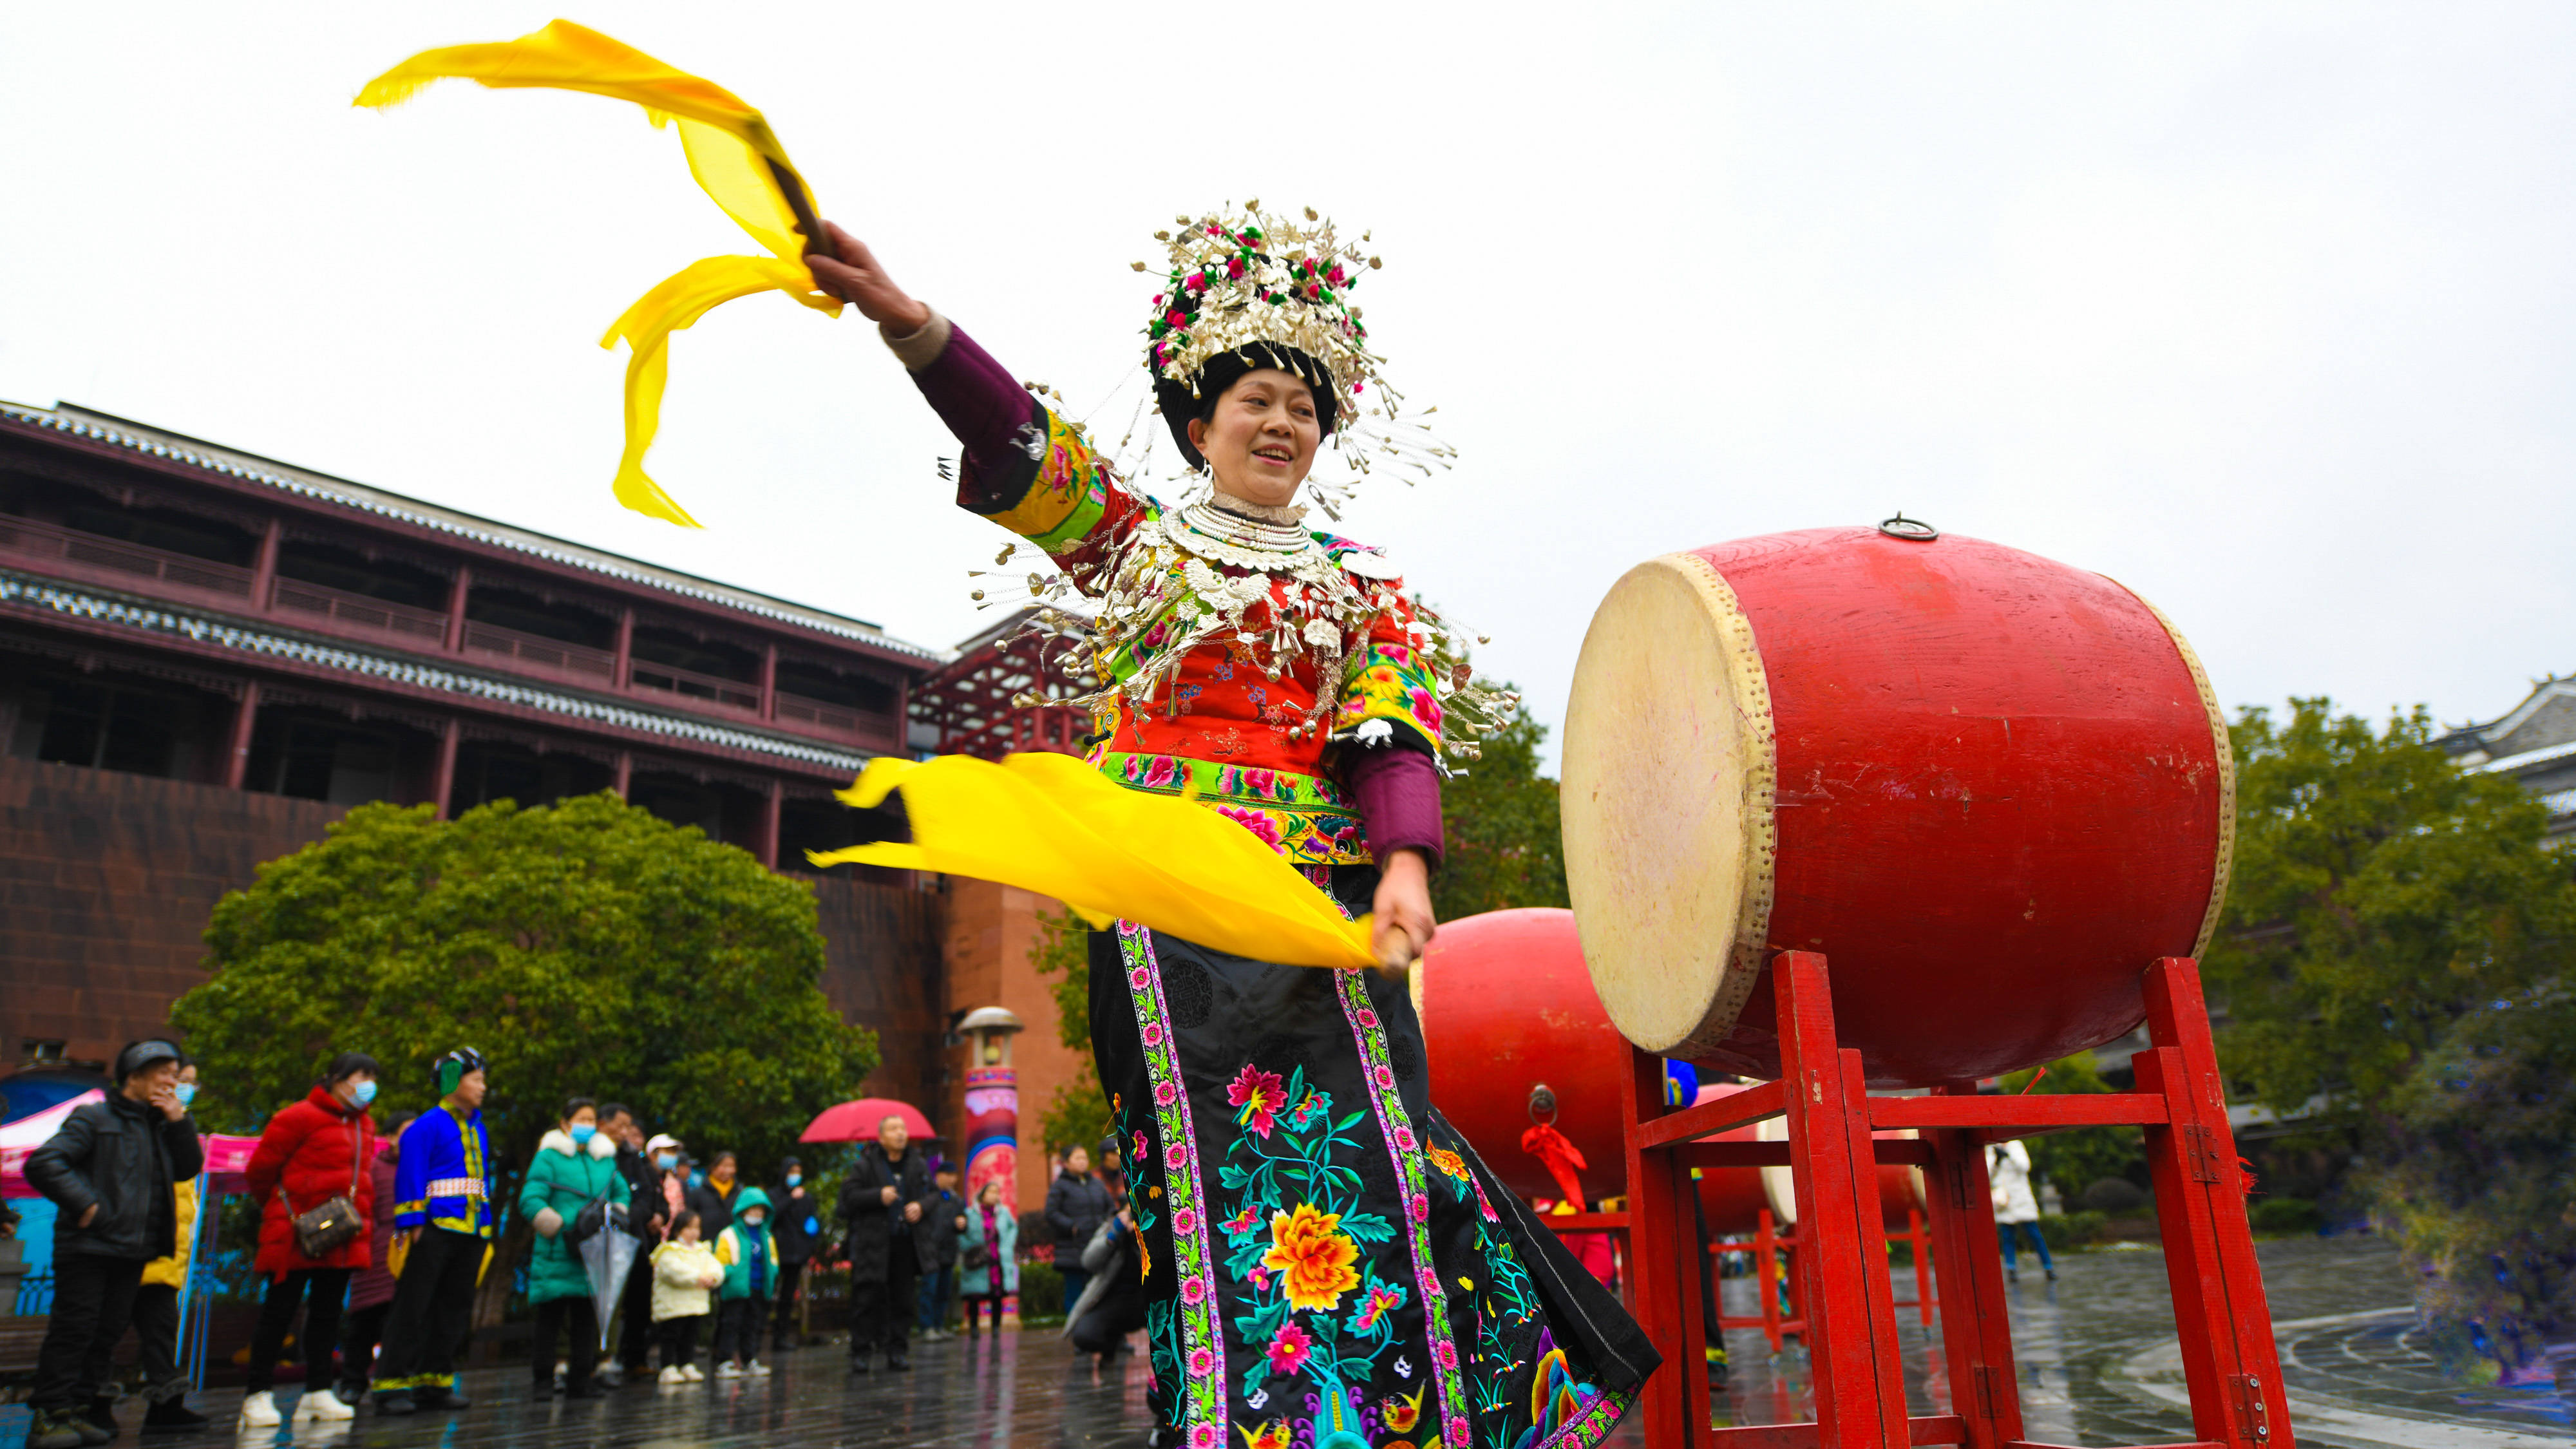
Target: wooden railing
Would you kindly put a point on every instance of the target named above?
(839, 718)
(544, 653)
(28, 538)
(359, 611)
(671, 679)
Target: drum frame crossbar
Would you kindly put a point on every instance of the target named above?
(1845, 1290)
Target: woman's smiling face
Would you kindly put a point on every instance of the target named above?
(1261, 438)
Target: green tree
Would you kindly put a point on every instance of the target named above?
(584, 948)
(2399, 947)
(2380, 895)
(2076, 1160)
(1078, 1113)
(2478, 1179)
(1505, 842)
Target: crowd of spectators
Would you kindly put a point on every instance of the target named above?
(371, 1248)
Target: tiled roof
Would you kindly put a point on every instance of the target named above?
(2524, 761)
(80, 423)
(153, 618)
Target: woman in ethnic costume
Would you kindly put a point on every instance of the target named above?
(1326, 1262)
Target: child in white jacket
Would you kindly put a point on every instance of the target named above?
(685, 1272)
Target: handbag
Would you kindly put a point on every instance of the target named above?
(977, 1259)
(322, 1231)
(594, 1215)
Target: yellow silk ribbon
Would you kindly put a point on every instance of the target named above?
(1055, 825)
(731, 153)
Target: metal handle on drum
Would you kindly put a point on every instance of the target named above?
(1911, 530)
(1542, 1100)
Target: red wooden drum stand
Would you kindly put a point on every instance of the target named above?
(1770, 1248)
(2223, 1323)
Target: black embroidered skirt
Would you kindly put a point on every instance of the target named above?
(1327, 1264)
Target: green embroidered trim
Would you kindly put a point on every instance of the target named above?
(1303, 817)
(1201, 1408)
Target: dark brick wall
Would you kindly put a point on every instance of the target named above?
(106, 880)
(883, 969)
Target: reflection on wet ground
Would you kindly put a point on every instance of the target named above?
(2087, 1346)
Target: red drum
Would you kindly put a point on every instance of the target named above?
(1990, 788)
(1734, 1197)
(1900, 1189)
(1507, 1009)
(1508, 1012)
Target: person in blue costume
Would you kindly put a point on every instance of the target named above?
(443, 1235)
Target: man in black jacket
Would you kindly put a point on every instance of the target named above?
(109, 1170)
(881, 1207)
(1077, 1203)
(646, 1216)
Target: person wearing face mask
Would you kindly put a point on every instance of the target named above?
(750, 1257)
(798, 1228)
(647, 1218)
(667, 1193)
(312, 1155)
(156, 1306)
(109, 1170)
(574, 1170)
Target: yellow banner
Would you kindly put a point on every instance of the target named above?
(1055, 825)
(732, 154)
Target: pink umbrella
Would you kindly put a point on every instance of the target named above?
(25, 1135)
(857, 1121)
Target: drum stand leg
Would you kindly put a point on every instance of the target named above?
(2221, 1317)
(1663, 1244)
(1766, 1248)
(1846, 1293)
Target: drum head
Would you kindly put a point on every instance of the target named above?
(1668, 790)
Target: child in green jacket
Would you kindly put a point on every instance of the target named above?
(750, 1258)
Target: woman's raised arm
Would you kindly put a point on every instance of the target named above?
(856, 277)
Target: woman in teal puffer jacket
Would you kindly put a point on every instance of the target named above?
(575, 1166)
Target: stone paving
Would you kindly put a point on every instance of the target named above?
(2094, 1348)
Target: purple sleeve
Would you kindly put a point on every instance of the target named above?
(1397, 791)
(985, 407)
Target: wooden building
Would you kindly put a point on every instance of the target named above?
(206, 656)
(2532, 744)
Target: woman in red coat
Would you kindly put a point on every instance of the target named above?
(312, 1152)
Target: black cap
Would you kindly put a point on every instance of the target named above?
(140, 1054)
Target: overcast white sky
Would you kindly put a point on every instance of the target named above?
(2264, 310)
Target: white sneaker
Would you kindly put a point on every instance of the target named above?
(672, 1375)
(728, 1370)
(757, 1369)
(696, 1375)
(323, 1405)
(259, 1411)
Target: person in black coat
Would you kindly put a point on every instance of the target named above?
(711, 1195)
(109, 1169)
(647, 1215)
(796, 1226)
(945, 1211)
(1077, 1203)
(881, 1211)
(1112, 1304)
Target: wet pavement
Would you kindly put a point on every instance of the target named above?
(2095, 1350)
